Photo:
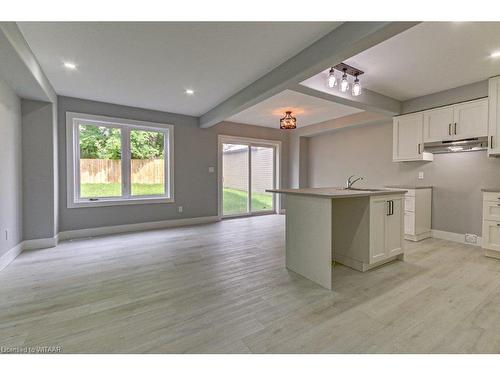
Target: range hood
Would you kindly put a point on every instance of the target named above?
(459, 145)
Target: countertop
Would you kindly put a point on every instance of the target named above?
(408, 187)
(491, 190)
(333, 192)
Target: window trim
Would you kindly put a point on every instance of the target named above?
(73, 119)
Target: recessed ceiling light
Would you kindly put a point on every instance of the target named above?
(69, 65)
(189, 92)
(495, 54)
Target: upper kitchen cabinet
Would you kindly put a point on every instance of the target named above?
(459, 121)
(407, 138)
(494, 117)
(438, 124)
(470, 119)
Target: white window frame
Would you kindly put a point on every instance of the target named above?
(73, 120)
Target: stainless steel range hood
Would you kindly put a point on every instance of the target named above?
(460, 145)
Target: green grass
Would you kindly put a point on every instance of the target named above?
(235, 201)
(114, 190)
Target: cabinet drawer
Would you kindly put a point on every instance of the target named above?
(410, 223)
(491, 210)
(492, 197)
(410, 204)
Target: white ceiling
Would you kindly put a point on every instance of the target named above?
(428, 58)
(307, 109)
(150, 65)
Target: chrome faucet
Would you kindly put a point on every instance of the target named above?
(351, 182)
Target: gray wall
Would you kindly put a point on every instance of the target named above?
(367, 151)
(10, 169)
(39, 151)
(195, 150)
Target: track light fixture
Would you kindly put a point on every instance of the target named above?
(344, 84)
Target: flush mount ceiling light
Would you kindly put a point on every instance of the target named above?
(495, 54)
(69, 65)
(344, 84)
(288, 122)
(189, 92)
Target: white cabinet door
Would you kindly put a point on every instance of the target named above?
(470, 119)
(407, 137)
(394, 227)
(438, 124)
(491, 235)
(494, 116)
(379, 208)
(410, 223)
(491, 210)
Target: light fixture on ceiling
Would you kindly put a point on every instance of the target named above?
(344, 84)
(288, 122)
(332, 80)
(356, 88)
(495, 54)
(69, 65)
(189, 92)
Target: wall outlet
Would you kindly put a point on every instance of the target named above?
(180, 209)
(470, 238)
(420, 175)
(211, 169)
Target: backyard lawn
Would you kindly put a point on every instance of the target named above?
(235, 201)
(114, 190)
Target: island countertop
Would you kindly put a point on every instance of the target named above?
(336, 192)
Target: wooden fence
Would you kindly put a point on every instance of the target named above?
(106, 171)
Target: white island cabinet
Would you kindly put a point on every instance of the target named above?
(361, 229)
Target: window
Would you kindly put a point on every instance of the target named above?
(117, 161)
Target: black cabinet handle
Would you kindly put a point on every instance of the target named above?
(455, 128)
(491, 141)
(449, 129)
(392, 207)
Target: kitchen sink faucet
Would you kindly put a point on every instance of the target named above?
(351, 181)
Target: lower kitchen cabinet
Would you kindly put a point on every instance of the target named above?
(491, 224)
(386, 227)
(417, 217)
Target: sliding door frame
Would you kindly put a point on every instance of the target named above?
(250, 142)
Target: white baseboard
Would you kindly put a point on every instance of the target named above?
(40, 243)
(100, 231)
(10, 255)
(455, 237)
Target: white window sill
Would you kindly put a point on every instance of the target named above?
(119, 202)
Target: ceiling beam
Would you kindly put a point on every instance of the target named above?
(20, 68)
(345, 41)
(370, 100)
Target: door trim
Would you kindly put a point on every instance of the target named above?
(250, 142)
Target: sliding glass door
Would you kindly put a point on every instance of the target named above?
(248, 170)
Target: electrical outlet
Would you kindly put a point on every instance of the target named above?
(470, 238)
(180, 208)
(211, 169)
(420, 175)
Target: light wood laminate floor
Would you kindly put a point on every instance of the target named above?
(223, 288)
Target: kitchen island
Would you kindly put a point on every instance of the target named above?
(360, 228)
